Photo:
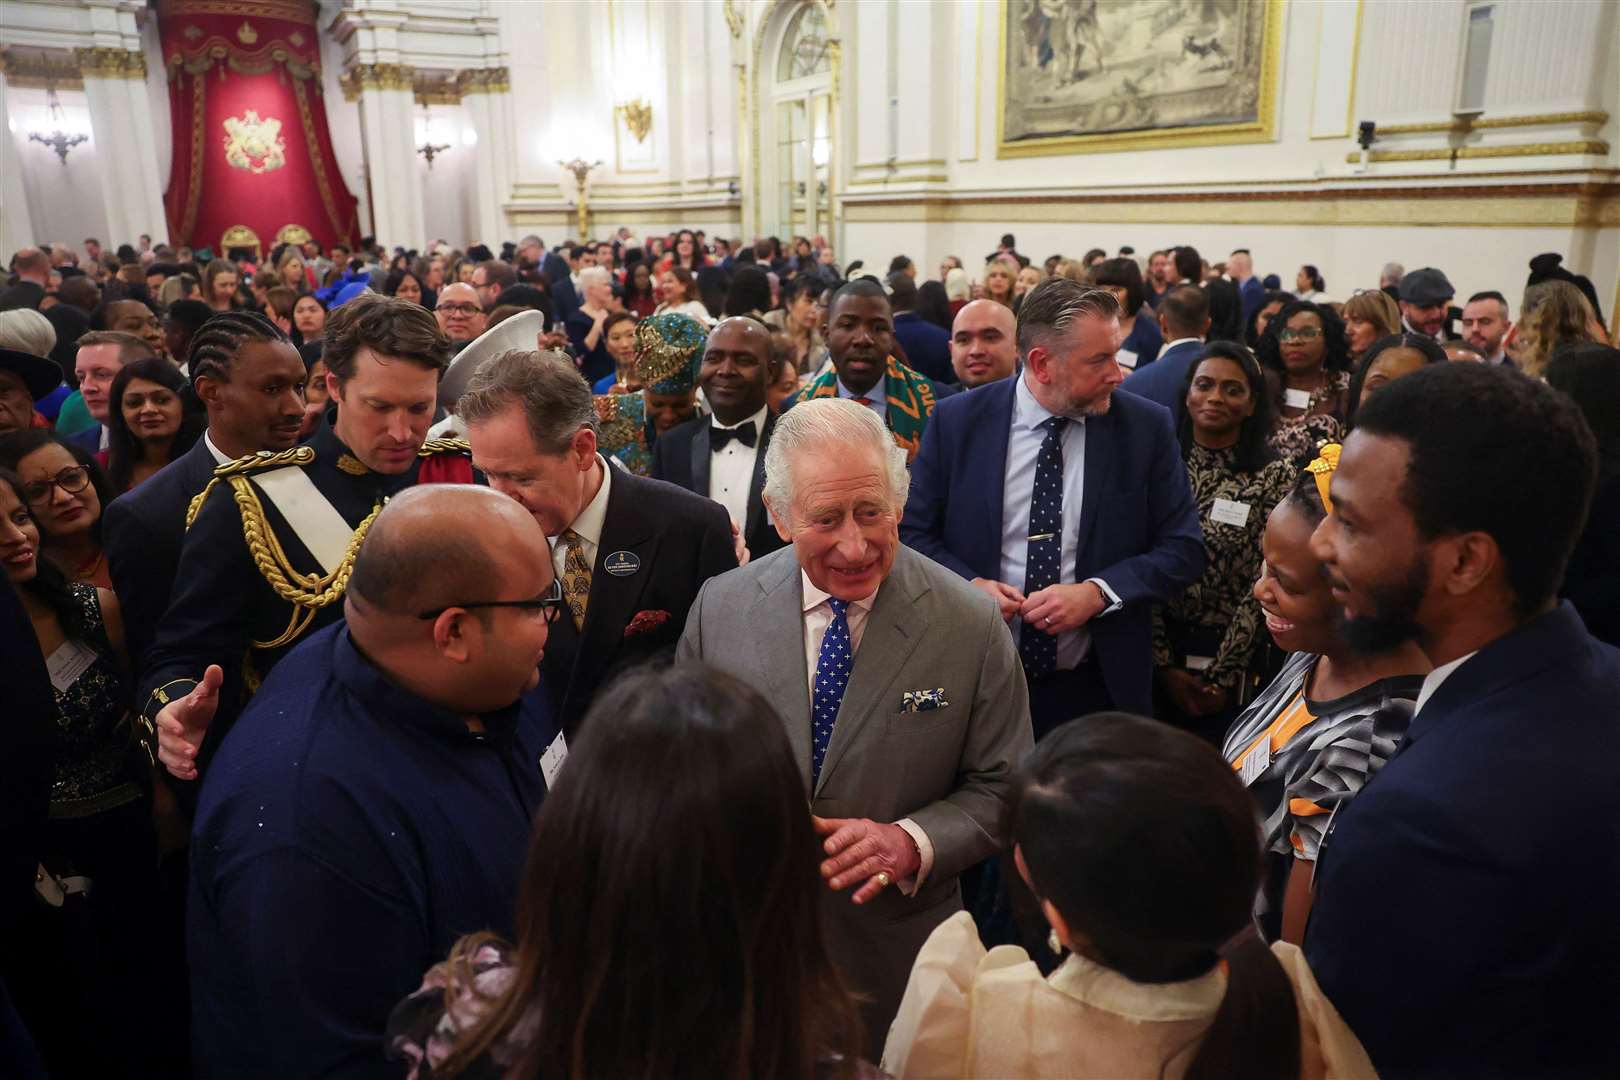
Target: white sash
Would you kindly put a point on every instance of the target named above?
(316, 521)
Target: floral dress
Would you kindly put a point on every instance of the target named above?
(1296, 438)
(94, 727)
(1213, 626)
(624, 431)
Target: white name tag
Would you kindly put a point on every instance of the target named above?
(551, 762)
(68, 662)
(1297, 399)
(1199, 663)
(1256, 763)
(1228, 512)
(1126, 358)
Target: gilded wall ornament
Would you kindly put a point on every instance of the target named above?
(254, 144)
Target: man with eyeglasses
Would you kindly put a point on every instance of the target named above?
(374, 801)
(461, 317)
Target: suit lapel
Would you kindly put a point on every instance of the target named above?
(700, 456)
(614, 599)
(756, 486)
(1099, 464)
(891, 634)
(993, 488)
(777, 621)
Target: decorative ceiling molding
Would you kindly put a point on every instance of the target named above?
(102, 63)
(427, 86)
(41, 69)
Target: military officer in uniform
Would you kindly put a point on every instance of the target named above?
(272, 537)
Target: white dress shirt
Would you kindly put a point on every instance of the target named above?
(219, 456)
(1023, 447)
(877, 398)
(731, 469)
(818, 616)
(1432, 681)
(588, 525)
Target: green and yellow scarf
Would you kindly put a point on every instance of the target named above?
(910, 402)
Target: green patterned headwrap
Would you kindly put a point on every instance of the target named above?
(669, 350)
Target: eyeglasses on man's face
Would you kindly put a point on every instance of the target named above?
(468, 310)
(551, 603)
(73, 479)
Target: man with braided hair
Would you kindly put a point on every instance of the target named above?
(271, 539)
(251, 381)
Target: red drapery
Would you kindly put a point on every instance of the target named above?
(251, 146)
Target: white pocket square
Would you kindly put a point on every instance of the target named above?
(923, 700)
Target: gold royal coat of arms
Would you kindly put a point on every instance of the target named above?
(254, 144)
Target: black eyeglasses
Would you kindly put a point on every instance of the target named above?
(551, 604)
(73, 479)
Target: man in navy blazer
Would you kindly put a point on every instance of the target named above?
(1465, 921)
(927, 347)
(1184, 321)
(1125, 536)
(249, 377)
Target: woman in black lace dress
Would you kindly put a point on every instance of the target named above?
(89, 948)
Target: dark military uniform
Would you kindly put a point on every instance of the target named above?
(248, 586)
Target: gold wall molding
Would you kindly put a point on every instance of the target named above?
(42, 70)
(428, 86)
(104, 63)
(1463, 123)
(1596, 147)
(490, 80)
(363, 77)
(1565, 205)
(434, 87)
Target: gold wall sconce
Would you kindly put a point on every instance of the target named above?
(638, 117)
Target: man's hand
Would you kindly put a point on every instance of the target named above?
(860, 850)
(1057, 609)
(1006, 597)
(182, 723)
(1191, 694)
(738, 545)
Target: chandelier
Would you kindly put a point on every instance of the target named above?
(57, 139)
(429, 149)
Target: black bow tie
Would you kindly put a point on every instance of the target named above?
(719, 436)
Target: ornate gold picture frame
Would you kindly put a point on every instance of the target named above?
(1092, 76)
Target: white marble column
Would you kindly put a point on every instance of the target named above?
(487, 102)
(388, 139)
(16, 225)
(121, 124)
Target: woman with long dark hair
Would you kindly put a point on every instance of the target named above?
(1142, 339)
(689, 254)
(1386, 360)
(406, 285)
(1255, 325)
(1204, 639)
(65, 490)
(639, 297)
(152, 418)
(1141, 850)
(669, 920)
(1307, 360)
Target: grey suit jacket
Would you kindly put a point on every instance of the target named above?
(946, 769)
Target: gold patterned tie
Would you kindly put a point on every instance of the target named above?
(576, 576)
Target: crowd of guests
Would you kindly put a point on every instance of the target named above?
(665, 656)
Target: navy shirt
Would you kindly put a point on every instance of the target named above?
(347, 834)
(1466, 921)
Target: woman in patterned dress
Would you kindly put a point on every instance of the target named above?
(1307, 360)
(1329, 720)
(1205, 638)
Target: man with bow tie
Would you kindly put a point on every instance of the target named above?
(723, 455)
(898, 682)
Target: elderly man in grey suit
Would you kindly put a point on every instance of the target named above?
(898, 681)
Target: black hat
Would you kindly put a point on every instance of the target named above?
(1426, 287)
(40, 375)
(1547, 268)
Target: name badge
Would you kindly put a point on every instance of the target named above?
(1199, 663)
(68, 662)
(1126, 358)
(1297, 399)
(1256, 763)
(622, 563)
(1228, 512)
(551, 762)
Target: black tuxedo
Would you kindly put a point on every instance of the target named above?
(142, 533)
(676, 541)
(682, 456)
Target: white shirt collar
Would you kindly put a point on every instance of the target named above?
(758, 420)
(589, 522)
(1027, 412)
(1432, 681)
(1167, 346)
(814, 597)
(219, 456)
(1106, 989)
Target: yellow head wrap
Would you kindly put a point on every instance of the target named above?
(1322, 468)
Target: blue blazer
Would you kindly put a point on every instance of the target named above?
(1163, 379)
(1465, 919)
(1138, 521)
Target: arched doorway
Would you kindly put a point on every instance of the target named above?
(796, 79)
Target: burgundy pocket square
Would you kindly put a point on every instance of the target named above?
(645, 622)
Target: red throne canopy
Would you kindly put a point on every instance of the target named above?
(251, 147)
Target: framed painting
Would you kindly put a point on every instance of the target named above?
(1089, 76)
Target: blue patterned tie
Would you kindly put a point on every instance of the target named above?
(1037, 648)
(832, 676)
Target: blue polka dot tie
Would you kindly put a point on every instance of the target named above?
(832, 676)
(1038, 648)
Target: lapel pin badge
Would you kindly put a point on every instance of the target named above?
(622, 563)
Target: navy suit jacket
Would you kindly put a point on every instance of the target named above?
(927, 347)
(1163, 379)
(1138, 521)
(1465, 921)
(88, 440)
(142, 532)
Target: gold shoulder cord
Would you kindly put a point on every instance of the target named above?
(308, 593)
(444, 446)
